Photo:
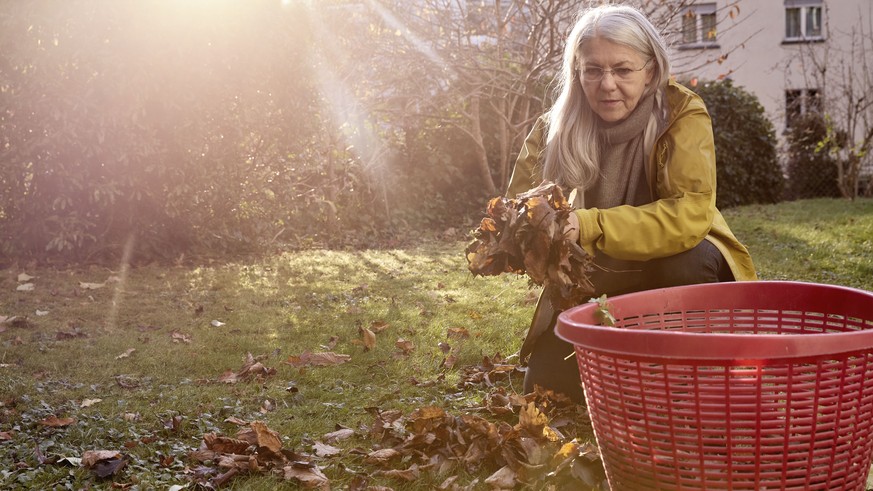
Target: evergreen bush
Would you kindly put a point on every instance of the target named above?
(745, 145)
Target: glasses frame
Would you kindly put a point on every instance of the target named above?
(611, 71)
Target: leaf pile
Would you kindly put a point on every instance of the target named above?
(525, 235)
(255, 449)
(537, 452)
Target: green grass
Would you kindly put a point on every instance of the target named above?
(826, 241)
(285, 305)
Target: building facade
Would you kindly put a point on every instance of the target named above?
(794, 55)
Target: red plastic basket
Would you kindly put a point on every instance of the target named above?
(738, 386)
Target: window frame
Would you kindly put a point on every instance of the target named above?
(702, 39)
(804, 10)
(799, 102)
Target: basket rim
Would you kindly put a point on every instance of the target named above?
(579, 327)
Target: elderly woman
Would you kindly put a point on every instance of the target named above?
(634, 151)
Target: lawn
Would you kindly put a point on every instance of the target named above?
(146, 362)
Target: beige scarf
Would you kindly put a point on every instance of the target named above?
(622, 179)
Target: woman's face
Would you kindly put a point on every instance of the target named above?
(613, 77)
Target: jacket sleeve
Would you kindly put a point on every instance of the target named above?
(527, 173)
(683, 212)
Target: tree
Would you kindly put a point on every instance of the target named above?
(844, 77)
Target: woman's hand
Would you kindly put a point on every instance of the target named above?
(571, 231)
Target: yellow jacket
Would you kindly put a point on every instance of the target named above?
(681, 173)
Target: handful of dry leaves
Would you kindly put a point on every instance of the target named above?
(525, 235)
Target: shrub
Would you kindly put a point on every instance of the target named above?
(812, 170)
(745, 146)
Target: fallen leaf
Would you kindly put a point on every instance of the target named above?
(89, 402)
(318, 359)
(325, 450)
(458, 332)
(267, 406)
(6, 435)
(109, 467)
(368, 338)
(408, 475)
(217, 323)
(223, 444)
(259, 434)
(308, 477)
(222, 479)
(74, 333)
(24, 277)
(404, 345)
(41, 313)
(331, 343)
(504, 478)
(236, 421)
(55, 422)
(378, 326)
(382, 456)
(91, 457)
(90, 286)
(25, 287)
(179, 337)
(16, 322)
(173, 424)
(126, 354)
(340, 434)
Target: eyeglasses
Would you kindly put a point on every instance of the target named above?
(620, 74)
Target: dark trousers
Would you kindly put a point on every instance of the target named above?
(552, 363)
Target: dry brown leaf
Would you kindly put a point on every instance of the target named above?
(408, 475)
(338, 435)
(308, 477)
(179, 337)
(259, 434)
(234, 461)
(368, 338)
(6, 435)
(504, 478)
(382, 457)
(91, 457)
(126, 354)
(318, 359)
(55, 422)
(378, 326)
(458, 332)
(404, 345)
(223, 444)
(228, 377)
(325, 450)
(89, 402)
(91, 286)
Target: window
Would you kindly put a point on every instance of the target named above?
(803, 20)
(799, 102)
(699, 26)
